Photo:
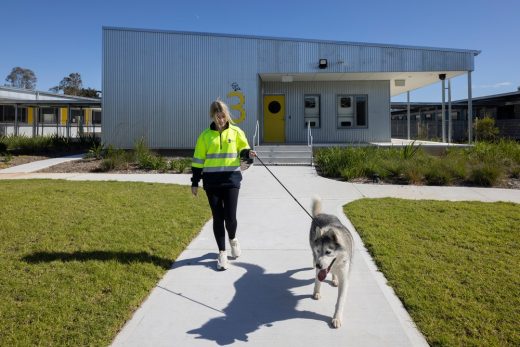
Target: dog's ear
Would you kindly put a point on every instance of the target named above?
(318, 233)
(336, 238)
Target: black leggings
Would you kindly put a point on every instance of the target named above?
(223, 203)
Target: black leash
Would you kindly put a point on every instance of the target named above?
(287, 190)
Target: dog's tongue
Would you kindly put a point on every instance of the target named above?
(322, 274)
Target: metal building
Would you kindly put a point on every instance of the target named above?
(158, 85)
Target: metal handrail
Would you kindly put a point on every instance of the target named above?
(309, 141)
(309, 135)
(257, 133)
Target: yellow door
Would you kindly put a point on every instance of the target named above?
(274, 118)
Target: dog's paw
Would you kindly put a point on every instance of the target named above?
(316, 296)
(336, 322)
(335, 281)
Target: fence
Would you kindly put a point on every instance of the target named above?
(429, 129)
(72, 130)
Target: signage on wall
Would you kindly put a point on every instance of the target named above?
(237, 93)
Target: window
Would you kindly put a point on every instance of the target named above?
(8, 112)
(96, 116)
(76, 116)
(48, 115)
(351, 111)
(312, 111)
(361, 111)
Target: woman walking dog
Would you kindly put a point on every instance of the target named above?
(216, 160)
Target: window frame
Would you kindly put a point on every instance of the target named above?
(354, 103)
(319, 111)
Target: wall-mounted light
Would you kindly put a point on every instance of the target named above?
(287, 78)
(323, 63)
(399, 83)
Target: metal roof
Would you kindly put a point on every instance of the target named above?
(367, 44)
(51, 103)
(37, 93)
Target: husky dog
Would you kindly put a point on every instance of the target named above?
(331, 245)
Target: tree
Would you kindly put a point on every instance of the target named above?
(70, 85)
(21, 78)
(89, 93)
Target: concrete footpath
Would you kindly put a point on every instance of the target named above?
(264, 298)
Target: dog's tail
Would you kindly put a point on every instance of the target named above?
(316, 206)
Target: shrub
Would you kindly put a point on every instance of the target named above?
(515, 172)
(96, 151)
(436, 175)
(3, 148)
(116, 159)
(412, 173)
(485, 175)
(409, 151)
(146, 159)
(180, 165)
(485, 129)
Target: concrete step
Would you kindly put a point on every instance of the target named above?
(284, 155)
(272, 154)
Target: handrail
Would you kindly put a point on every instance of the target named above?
(257, 133)
(309, 135)
(309, 141)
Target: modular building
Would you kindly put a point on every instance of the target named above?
(158, 85)
(37, 113)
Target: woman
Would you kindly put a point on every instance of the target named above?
(217, 161)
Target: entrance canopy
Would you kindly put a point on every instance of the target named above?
(400, 82)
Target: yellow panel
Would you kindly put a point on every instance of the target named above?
(30, 115)
(63, 112)
(274, 118)
(87, 112)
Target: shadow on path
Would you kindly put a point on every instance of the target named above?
(260, 300)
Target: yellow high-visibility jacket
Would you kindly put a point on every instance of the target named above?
(217, 157)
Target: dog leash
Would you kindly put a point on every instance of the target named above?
(287, 190)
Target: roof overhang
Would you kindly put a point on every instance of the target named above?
(50, 103)
(412, 80)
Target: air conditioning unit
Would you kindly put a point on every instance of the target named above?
(313, 121)
(345, 121)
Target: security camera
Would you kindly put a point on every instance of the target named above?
(442, 76)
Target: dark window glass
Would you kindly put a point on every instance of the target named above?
(310, 103)
(274, 107)
(345, 102)
(22, 115)
(506, 112)
(9, 114)
(96, 117)
(361, 110)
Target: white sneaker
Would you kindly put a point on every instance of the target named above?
(235, 248)
(222, 261)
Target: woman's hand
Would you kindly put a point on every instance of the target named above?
(252, 154)
(194, 190)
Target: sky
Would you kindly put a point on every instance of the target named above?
(56, 38)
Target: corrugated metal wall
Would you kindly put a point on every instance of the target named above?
(158, 85)
(378, 93)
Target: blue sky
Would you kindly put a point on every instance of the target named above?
(56, 38)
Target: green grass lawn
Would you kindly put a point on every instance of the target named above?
(454, 265)
(77, 258)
